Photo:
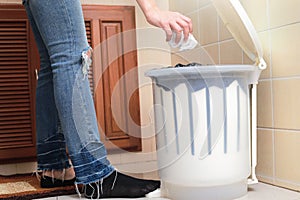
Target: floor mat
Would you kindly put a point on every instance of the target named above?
(27, 187)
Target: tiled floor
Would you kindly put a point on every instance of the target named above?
(259, 191)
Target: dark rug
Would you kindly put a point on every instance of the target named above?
(27, 187)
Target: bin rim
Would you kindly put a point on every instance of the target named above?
(217, 70)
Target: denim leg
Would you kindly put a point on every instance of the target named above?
(51, 146)
(61, 26)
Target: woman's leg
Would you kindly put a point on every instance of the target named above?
(62, 29)
(61, 26)
(51, 147)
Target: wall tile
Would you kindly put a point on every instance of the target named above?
(163, 4)
(208, 23)
(178, 58)
(287, 153)
(224, 32)
(285, 50)
(265, 155)
(211, 55)
(196, 29)
(187, 7)
(154, 55)
(247, 60)
(286, 103)
(264, 105)
(257, 12)
(202, 3)
(284, 12)
(201, 54)
(230, 53)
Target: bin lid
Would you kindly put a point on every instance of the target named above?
(238, 23)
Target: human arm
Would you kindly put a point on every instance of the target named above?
(167, 20)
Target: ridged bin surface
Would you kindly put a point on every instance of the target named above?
(202, 130)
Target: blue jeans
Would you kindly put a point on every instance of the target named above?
(65, 113)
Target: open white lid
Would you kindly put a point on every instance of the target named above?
(238, 23)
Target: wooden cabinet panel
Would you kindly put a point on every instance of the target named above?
(111, 76)
(114, 55)
(18, 56)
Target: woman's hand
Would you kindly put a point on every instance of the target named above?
(167, 20)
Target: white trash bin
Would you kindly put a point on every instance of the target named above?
(202, 119)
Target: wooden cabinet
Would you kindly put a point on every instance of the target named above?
(111, 61)
(18, 59)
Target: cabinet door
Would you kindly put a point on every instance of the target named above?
(18, 56)
(19, 60)
(115, 77)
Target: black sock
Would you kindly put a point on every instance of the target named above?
(120, 185)
(49, 182)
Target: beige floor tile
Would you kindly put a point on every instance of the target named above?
(287, 184)
(267, 192)
(259, 191)
(265, 179)
(8, 169)
(114, 158)
(28, 167)
(55, 198)
(73, 197)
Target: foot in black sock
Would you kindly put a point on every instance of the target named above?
(120, 185)
(49, 182)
